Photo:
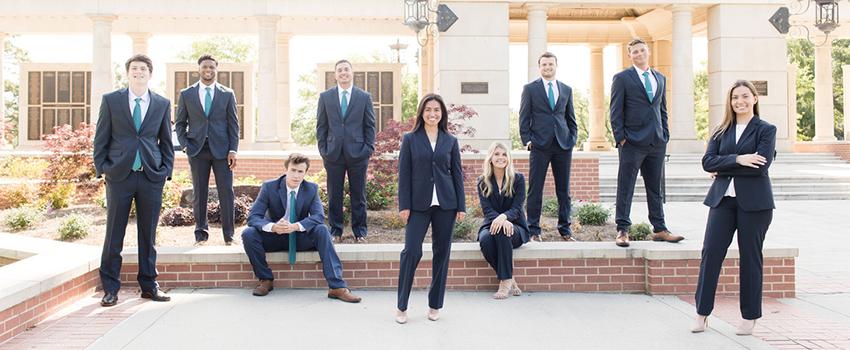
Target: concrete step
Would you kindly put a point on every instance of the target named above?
(843, 187)
(698, 180)
(699, 197)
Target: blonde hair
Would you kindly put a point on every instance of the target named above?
(729, 115)
(484, 183)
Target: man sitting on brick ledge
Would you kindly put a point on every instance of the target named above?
(272, 223)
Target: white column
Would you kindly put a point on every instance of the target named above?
(538, 37)
(140, 42)
(845, 70)
(101, 75)
(2, 93)
(283, 85)
(596, 136)
(824, 119)
(683, 136)
(426, 68)
(267, 76)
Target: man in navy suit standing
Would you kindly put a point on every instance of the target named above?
(547, 125)
(208, 132)
(133, 151)
(639, 122)
(345, 130)
(290, 208)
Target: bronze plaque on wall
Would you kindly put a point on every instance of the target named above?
(474, 87)
(761, 87)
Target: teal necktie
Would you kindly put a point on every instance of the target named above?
(207, 103)
(344, 104)
(292, 234)
(551, 97)
(647, 86)
(137, 120)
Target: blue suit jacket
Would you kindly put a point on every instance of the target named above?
(221, 129)
(634, 117)
(752, 186)
(116, 139)
(497, 204)
(542, 125)
(355, 134)
(420, 169)
(270, 205)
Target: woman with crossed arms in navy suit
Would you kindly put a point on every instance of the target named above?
(501, 192)
(430, 193)
(739, 154)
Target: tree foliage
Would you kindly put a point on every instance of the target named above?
(223, 48)
(801, 53)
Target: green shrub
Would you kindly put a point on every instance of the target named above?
(60, 195)
(17, 195)
(23, 218)
(592, 214)
(550, 207)
(74, 227)
(473, 207)
(379, 197)
(463, 228)
(640, 232)
(247, 180)
(392, 222)
(25, 168)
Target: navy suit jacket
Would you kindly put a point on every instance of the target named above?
(116, 139)
(752, 186)
(634, 117)
(542, 125)
(420, 169)
(221, 129)
(270, 205)
(497, 204)
(354, 134)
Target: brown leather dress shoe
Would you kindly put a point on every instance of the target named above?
(264, 288)
(568, 238)
(666, 236)
(536, 238)
(360, 240)
(343, 294)
(622, 239)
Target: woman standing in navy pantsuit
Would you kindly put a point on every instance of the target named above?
(739, 154)
(501, 192)
(430, 193)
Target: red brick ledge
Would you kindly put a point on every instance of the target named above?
(646, 267)
(50, 276)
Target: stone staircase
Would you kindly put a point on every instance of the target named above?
(795, 176)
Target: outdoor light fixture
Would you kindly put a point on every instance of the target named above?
(826, 17)
(427, 18)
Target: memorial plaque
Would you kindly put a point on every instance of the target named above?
(474, 87)
(761, 87)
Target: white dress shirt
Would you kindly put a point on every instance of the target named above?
(144, 103)
(434, 200)
(339, 91)
(202, 92)
(268, 227)
(555, 89)
(652, 82)
(739, 130)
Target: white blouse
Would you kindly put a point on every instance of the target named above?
(739, 130)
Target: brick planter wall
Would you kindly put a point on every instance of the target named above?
(19, 318)
(839, 148)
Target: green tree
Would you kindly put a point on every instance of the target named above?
(223, 48)
(801, 53)
(304, 121)
(701, 102)
(409, 96)
(12, 56)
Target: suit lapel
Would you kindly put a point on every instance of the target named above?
(660, 83)
(748, 132)
(633, 73)
(728, 146)
(336, 106)
(153, 109)
(350, 102)
(300, 199)
(125, 106)
(283, 197)
(219, 98)
(562, 95)
(423, 139)
(442, 143)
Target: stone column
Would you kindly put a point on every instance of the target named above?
(845, 70)
(426, 68)
(101, 75)
(3, 143)
(538, 37)
(824, 118)
(267, 124)
(140, 42)
(681, 122)
(596, 121)
(285, 127)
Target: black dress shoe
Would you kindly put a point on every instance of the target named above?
(110, 299)
(156, 295)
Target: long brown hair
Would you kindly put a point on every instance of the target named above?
(729, 115)
(443, 124)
